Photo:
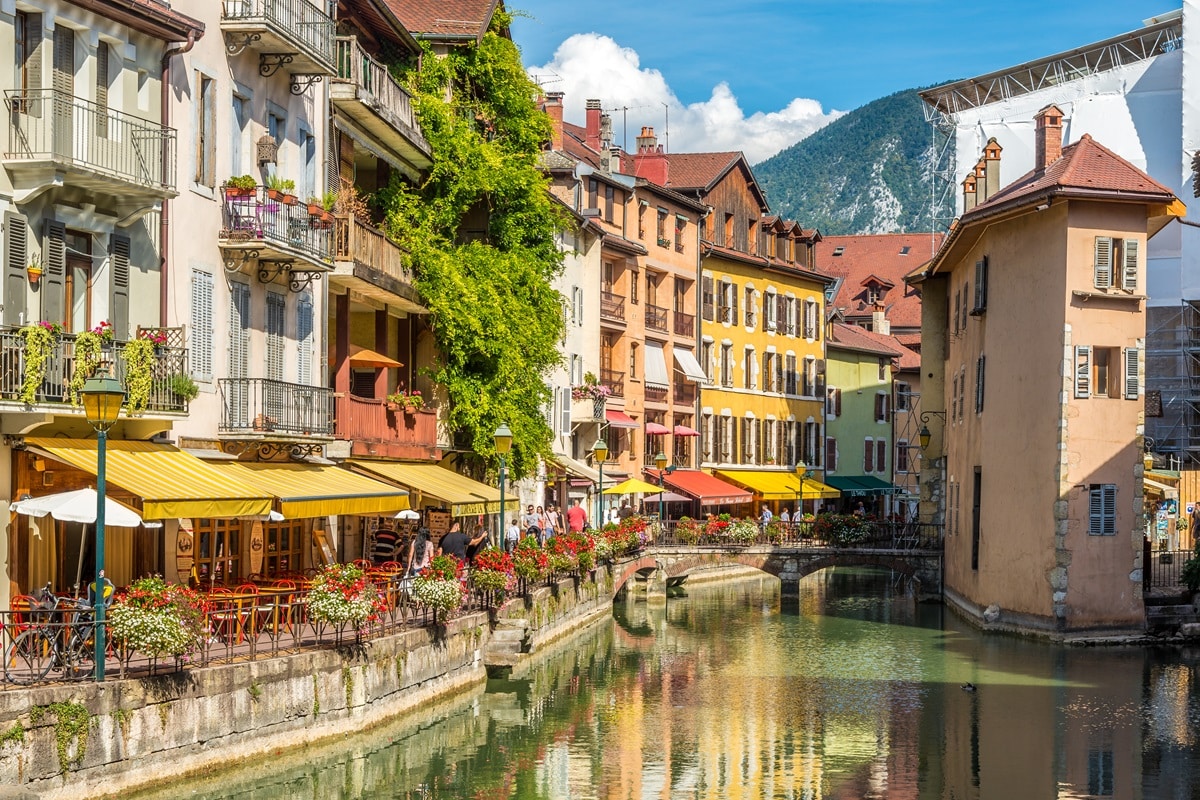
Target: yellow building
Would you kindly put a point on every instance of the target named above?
(762, 309)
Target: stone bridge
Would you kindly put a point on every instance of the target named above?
(789, 563)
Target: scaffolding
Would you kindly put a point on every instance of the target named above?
(1173, 381)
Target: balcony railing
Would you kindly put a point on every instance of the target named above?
(612, 306)
(377, 89)
(355, 240)
(656, 394)
(279, 27)
(656, 318)
(685, 392)
(52, 126)
(262, 406)
(60, 366)
(254, 219)
(377, 430)
(615, 381)
(685, 324)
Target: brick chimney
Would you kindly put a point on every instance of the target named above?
(980, 182)
(554, 109)
(650, 162)
(968, 185)
(991, 159)
(1049, 137)
(591, 135)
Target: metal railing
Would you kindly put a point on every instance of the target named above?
(252, 216)
(656, 318)
(60, 366)
(685, 324)
(355, 240)
(298, 20)
(356, 66)
(1163, 568)
(656, 394)
(826, 531)
(612, 306)
(50, 125)
(684, 392)
(615, 381)
(262, 405)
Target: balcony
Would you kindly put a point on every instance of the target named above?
(293, 35)
(366, 92)
(656, 318)
(371, 264)
(54, 389)
(685, 325)
(656, 394)
(612, 306)
(684, 392)
(615, 381)
(256, 227)
(375, 430)
(55, 138)
(263, 407)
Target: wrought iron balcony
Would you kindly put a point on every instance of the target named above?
(378, 428)
(656, 394)
(615, 381)
(656, 318)
(262, 407)
(93, 146)
(684, 392)
(256, 226)
(612, 306)
(685, 324)
(365, 91)
(296, 36)
(54, 389)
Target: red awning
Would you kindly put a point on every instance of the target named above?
(655, 429)
(708, 490)
(684, 430)
(619, 419)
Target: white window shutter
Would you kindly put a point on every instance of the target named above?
(304, 339)
(1103, 264)
(201, 346)
(1083, 372)
(1131, 372)
(1129, 275)
(565, 412)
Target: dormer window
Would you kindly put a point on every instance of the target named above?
(837, 251)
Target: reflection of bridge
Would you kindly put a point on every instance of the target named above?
(788, 561)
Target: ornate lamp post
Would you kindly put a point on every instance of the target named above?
(600, 453)
(102, 398)
(802, 472)
(503, 439)
(660, 461)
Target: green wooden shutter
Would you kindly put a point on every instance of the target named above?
(1103, 277)
(1129, 273)
(16, 259)
(118, 251)
(54, 278)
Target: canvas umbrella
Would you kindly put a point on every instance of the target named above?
(632, 486)
(408, 513)
(668, 497)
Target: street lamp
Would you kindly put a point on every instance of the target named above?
(102, 396)
(924, 435)
(660, 461)
(802, 472)
(503, 439)
(600, 453)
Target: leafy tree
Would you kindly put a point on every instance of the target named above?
(481, 234)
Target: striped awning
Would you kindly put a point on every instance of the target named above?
(463, 495)
(317, 490)
(171, 483)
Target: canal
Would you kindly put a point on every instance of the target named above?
(728, 692)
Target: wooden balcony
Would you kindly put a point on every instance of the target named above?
(296, 36)
(685, 324)
(656, 318)
(612, 306)
(366, 92)
(615, 381)
(377, 428)
(371, 264)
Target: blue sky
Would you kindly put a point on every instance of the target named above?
(838, 53)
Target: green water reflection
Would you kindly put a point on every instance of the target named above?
(729, 692)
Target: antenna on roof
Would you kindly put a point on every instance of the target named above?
(667, 127)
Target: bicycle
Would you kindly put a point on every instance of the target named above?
(61, 636)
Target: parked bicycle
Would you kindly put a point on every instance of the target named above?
(58, 635)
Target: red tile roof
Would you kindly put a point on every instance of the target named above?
(449, 19)
(1085, 166)
(853, 337)
(880, 255)
(699, 170)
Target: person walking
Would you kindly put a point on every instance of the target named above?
(420, 553)
(454, 543)
(554, 520)
(577, 517)
(512, 535)
(543, 523)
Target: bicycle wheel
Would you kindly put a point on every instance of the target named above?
(76, 657)
(29, 657)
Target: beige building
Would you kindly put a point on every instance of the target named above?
(1033, 329)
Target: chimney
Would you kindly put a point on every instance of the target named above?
(554, 109)
(605, 132)
(650, 162)
(1049, 137)
(592, 125)
(879, 321)
(614, 159)
(991, 158)
(968, 185)
(980, 182)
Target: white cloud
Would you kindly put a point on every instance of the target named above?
(589, 65)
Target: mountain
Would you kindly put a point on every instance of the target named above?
(865, 172)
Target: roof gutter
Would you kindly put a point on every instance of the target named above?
(164, 224)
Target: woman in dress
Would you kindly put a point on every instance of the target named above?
(420, 553)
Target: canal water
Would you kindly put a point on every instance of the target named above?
(728, 691)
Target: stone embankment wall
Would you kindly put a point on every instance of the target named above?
(97, 740)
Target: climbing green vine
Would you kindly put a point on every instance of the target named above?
(139, 374)
(481, 233)
(15, 734)
(88, 353)
(41, 342)
(71, 722)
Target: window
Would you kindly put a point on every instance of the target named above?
(633, 360)
(727, 365)
(239, 119)
(680, 226)
(883, 369)
(831, 454)
(903, 396)
(206, 170)
(771, 372)
(304, 339)
(881, 407)
(901, 456)
(954, 312)
(812, 444)
(706, 359)
(789, 371)
(812, 321)
(708, 299)
(979, 365)
(789, 316)
(833, 402)
(881, 451)
(770, 310)
(633, 286)
(748, 369)
(609, 202)
(1098, 370)
(577, 306)
(789, 442)
(308, 152)
(201, 352)
(285, 545)
(1102, 509)
(591, 194)
(966, 294)
(981, 276)
(976, 520)
(748, 308)
(28, 41)
(707, 435)
(642, 219)
(749, 439)
(729, 313)
(276, 311)
(868, 455)
(771, 441)
(728, 231)
(726, 454)
(1115, 263)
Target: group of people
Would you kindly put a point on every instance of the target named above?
(420, 549)
(544, 523)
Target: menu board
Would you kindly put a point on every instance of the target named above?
(185, 546)
(438, 522)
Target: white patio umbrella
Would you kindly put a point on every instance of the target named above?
(408, 513)
(78, 506)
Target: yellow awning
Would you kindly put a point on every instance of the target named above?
(170, 482)
(463, 495)
(779, 485)
(315, 490)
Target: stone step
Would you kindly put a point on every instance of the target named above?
(514, 623)
(508, 635)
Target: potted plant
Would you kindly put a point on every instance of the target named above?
(341, 594)
(493, 573)
(41, 343)
(34, 270)
(409, 402)
(281, 189)
(440, 586)
(530, 561)
(241, 186)
(183, 386)
(139, 371)
(88, 353)
(157, 619)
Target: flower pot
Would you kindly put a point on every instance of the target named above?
(290, 199)
(315, 209)
(35, 275)
(235, 191)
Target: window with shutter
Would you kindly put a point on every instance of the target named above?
(979, 365)
(881, 408)
(201, 346)
(759, 426)
(837, 402)
(708, 304)
(54, 277)
(966, 294)
(304, 339)
(881, 449)
(64, 88)
(981, 278)
(901, 458)
(276, 311)
(1083, 372)
(102, 90)
(1102, 509)
(564, 409)
(748, 368)
(868, 456)
(789, 385)
(28, 45)
(1132, 384)
(1129, 275)
(16, 259)
(831, 461)
(733, 305)
(1102, 269)
(118, 253)
(748, 307)
(954, 311)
